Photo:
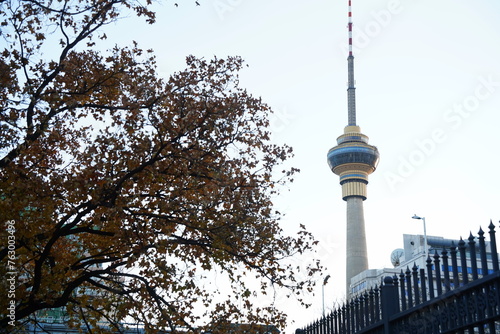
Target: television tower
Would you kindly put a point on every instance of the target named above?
(353, 159)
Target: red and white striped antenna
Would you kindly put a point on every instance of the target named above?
(351, 90)
(349, 26)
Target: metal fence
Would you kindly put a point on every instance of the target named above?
(457, 292)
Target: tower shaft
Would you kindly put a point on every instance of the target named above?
(356, 251)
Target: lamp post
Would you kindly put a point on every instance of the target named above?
(425, 235)
(323, 292)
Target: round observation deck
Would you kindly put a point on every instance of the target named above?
(353, 153)
(353, 159)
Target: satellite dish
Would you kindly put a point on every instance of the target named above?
(396, 256)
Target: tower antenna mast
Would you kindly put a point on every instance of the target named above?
(351, 90)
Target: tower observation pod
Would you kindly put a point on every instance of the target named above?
(353, 159)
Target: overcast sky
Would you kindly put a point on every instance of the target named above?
(428, 96)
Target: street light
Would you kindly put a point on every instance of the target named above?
(425, 235)
(323, 292)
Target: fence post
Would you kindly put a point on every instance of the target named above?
(473, 258)
(446, 270)
(423, 285)
(416, 290)
(408, 287)
(389, 301)
(493, 245)
(437, 270)
(430, 277)
(402, 289)
(482, 252)
(454, 265)
(463, 261)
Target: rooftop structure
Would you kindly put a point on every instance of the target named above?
(413, 255)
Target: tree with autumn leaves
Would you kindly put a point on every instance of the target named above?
(128, 192)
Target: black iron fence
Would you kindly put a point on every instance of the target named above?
(457, 292)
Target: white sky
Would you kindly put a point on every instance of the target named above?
(417, 63)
